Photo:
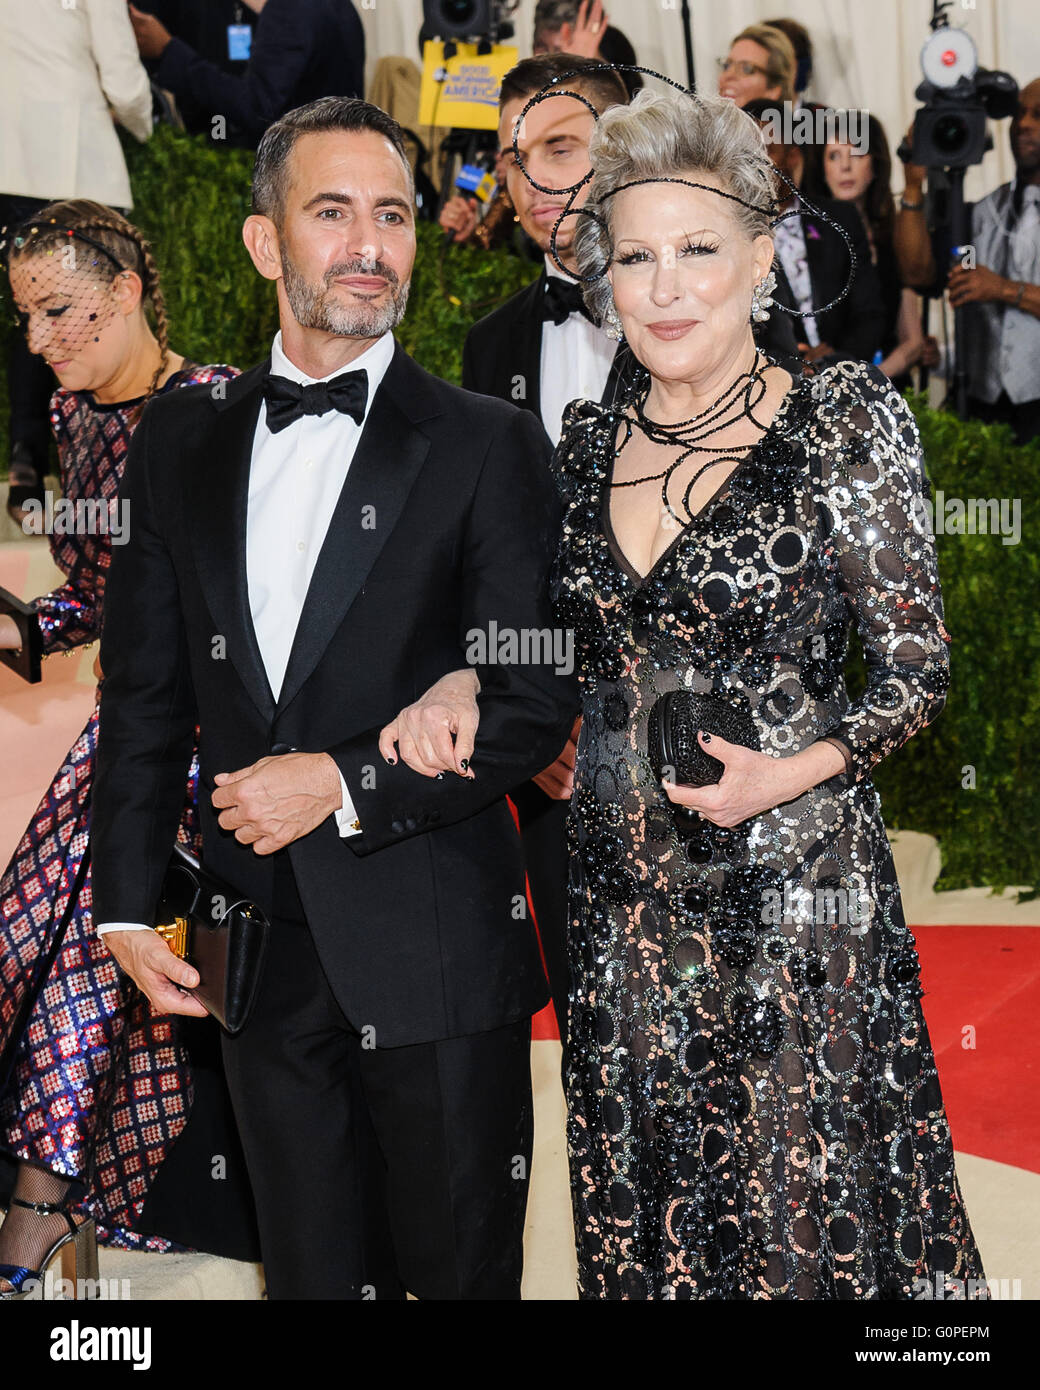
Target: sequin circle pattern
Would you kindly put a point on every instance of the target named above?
(754, 1109)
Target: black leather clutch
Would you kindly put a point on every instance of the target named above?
(217, 931)
(26, 661)
(672, 735)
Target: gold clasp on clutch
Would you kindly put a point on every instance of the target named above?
(175, 934)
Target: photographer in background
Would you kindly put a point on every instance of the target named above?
(301, 50)
(1001, 292)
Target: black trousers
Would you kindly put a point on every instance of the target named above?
(377, 1171)
(543, 833)
(1023, 418)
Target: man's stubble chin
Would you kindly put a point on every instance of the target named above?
(314, 308)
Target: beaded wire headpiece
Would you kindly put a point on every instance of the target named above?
(771, 210)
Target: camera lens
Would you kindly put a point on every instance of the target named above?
(458, 11)
(950, 134)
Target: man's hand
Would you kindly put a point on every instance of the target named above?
(459, 216)
(146, 958)
(278, 799)
(977, 286)
(152, 36)
(557, 780)
(423, 731)
(914, 175)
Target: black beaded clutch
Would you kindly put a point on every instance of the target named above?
(671, 737)
(27, 661)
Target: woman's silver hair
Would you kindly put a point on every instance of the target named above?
(663, 135)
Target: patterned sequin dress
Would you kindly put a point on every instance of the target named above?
(754, 1110)
(94, 1085)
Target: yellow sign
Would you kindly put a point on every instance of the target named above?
(464, 90)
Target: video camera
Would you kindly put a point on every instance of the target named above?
(959, 97)
(481, 21)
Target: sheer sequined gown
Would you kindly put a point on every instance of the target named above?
(754, 1110)
(93, 1085)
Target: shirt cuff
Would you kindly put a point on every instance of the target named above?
(121, 926)
(347, 822)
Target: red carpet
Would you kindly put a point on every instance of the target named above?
(985, 978)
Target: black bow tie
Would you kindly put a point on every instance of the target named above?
(561, 299)
(288, 400)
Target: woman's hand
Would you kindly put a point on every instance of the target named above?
(557, 780)
(423, 731)
(753, 782)
(588, 29)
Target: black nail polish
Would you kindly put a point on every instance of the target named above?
(464, 764)
(440, 776)
(707, 738)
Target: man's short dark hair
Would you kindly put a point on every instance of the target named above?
(602, 87)
(279, 140)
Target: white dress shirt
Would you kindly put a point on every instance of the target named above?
(576, 361)
(295, 479)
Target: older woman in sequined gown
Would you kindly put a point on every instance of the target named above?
(753, 1105)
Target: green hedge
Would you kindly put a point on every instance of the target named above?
(190, 199)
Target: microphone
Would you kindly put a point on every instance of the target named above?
(474, 182)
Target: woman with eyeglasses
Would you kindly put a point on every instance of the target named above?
(760, 63)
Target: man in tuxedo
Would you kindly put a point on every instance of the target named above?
(541, 349)
(309, 551)
(813, 267)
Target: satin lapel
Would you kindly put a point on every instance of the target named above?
(220, 491)
(528, 356)
(386, 462)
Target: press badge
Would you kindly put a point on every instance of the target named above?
(239, 40)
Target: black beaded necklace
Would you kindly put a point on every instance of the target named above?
(735, 403)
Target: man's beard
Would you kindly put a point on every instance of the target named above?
(314, 307)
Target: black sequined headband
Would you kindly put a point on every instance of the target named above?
(23, 233)
(771, 210)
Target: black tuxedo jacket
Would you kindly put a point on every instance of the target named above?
(856, 326)
(502, 354)
(446, 526)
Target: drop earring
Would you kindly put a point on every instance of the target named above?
(612, 323)
(762, 298)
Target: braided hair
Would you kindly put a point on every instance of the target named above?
(122, 246)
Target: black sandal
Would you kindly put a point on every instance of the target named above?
(80, 1241)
